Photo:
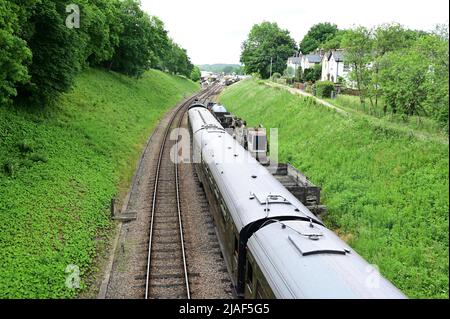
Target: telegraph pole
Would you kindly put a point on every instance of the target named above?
(271, 68)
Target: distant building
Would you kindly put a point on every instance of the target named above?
(310, 60)
(305, 61)
(294, 62)
(334, 66)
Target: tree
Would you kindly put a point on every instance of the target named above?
(159, 42)
(40, 55)
(358, 44)
(14, 52)
(299, 74)
(57, 50)
(266, 42)
(335, 42)
(313, 74)
(101, 27)
(228, 69)
(434, 49)
(317, 35)
(403, 79)
(178, 61)
(386, 38)
(132, 56)
(196, 74)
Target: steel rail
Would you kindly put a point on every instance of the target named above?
(155, 192)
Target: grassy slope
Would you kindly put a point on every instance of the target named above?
(69, 161)
(387, 192)
(420, 125)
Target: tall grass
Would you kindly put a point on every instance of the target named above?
(386, 191)
(62, 165)
(421, 123)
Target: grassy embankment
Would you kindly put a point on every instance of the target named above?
(386, 191)
(421, 125)
(62, 165)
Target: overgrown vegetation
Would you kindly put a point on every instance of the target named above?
(420, 124)
(324, 88)
(386, 191)
(42, 48)
(61, 166)
(400, 71)
(317, 36)
(406, 69)
(266, 49)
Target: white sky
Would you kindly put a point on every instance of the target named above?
(212, 30)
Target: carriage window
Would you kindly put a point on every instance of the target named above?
(260, 142)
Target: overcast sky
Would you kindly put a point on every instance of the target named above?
(212, 30)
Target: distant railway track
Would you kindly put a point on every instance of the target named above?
(167, 274)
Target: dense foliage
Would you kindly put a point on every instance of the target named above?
(61, 166)
(406, 69)
(324, 88)
(14, 53)
(313, 74)
(387, 192)
(267, 49)
(196, 74)
(318, 35)
(42, 49)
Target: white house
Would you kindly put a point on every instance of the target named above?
(310, 60)
(294, 62)
(334, 67)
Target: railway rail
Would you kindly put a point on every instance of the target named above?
(167, 274)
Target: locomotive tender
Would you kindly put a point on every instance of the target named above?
(273, 245)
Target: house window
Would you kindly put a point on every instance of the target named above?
(346, 67)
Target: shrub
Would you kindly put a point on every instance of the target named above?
(276, 76)
(313, 74)
(324, 88)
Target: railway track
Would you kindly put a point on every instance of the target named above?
(167, 274)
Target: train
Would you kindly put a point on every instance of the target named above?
(274, 247)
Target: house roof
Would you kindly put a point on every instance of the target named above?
(338, 55)
(313, 58)
(294, 60)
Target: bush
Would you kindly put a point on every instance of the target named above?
(314, 74)
(276, 76)
(324, 88)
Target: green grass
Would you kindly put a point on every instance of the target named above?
(60, 167)
(418, 123)
(386, 191)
